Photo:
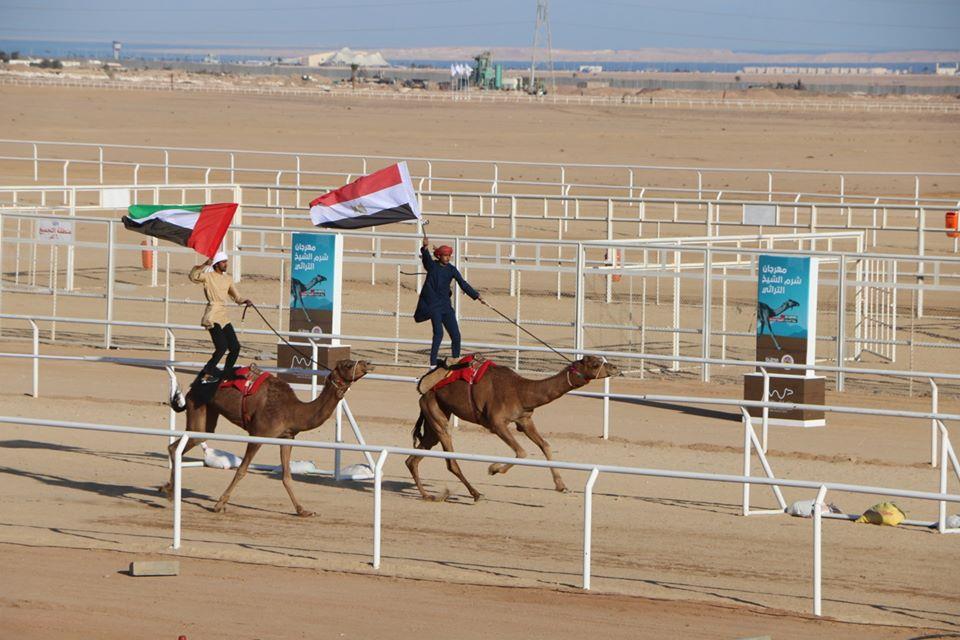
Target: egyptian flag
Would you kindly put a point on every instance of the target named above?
(380, 198)
(200, 226)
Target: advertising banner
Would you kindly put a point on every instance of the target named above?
(787, 310)
(315, 286)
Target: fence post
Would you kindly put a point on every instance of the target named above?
(707, 312)
(111, 280)
(766, 410)
(178, 488)
(746, 460)
(578, 303)
(606, 408)
(588, 524)
(36, 164)
(817, 542)
(377, 498)
(166, 167)
(172, 356)
(841, 310)
(921, 245)
(513, 246)
(934, 408)
(36, 359)
(100, 163)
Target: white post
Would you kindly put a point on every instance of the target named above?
(166, 167)
(178, 488)
(920, 265)
(313, 364)
(841, 318)
(766, 409)
(817, 541)
(100, 157)
(944, 447)
(578, 301)
(587, 524)
(934, 404)
(746, 461)
(513, 247)
(606, 408)
(707, 313)
(337, 437)
(377, 493)
(36, 358)
(675, 366)
(111, 265)
(171, 356)
(70, 247)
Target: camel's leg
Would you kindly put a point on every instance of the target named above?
(428, 441)
(196, 415)
(438, 420)
(501, 429)
(775, 343)
(526, 425)
(288, 481)
(251, 451)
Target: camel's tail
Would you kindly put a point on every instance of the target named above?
(418, 430)
(177, 402)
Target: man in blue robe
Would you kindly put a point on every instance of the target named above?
(435, 298)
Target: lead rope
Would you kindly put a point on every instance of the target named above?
(284, 340)
(514, 322)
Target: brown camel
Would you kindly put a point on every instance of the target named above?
(274, 411)
(499, 398)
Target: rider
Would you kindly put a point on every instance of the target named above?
(217, 287)
(434, 303)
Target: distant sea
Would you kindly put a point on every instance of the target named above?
(104, 51)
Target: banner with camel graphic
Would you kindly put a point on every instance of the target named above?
(787, 310)
(315, 282)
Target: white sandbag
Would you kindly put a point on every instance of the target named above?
(804, 508)
(219, 459)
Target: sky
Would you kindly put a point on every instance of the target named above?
(738, 25)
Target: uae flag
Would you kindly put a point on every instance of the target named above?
(200, 226)
(380, 198)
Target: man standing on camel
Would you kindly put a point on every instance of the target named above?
(217, 287)
(434, 303)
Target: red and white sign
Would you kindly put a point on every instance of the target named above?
(55, 231)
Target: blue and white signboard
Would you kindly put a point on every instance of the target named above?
(787, 310)
(315, 284)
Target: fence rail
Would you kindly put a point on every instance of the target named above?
(382, 452)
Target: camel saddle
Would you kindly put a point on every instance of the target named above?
(470, 369)
(247, 380)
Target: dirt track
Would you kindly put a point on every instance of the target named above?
(652, 538)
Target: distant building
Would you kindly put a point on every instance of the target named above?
(117, 46)
(948, 70)
(590, 68)
(211, 58)
(816, 71)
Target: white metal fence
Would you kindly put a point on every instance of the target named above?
(458, 175)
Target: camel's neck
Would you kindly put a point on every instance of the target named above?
(537, 393)
(310, 415)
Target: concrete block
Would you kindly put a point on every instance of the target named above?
(155, 568)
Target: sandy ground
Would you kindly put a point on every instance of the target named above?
(86, 501)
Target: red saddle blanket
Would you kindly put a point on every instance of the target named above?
(243, 384)
(468, 374)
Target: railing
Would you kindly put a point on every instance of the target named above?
(493, 175)
(594, 470)
(606, 395)
(708, 270)
(514, 97)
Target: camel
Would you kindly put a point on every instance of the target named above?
(273, 411)
(297, 289)
(499, 398)
(765, 312)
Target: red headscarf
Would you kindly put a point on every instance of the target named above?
(442, 250)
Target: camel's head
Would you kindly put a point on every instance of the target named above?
(352, 370)
(595, 368)
(792, 303)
